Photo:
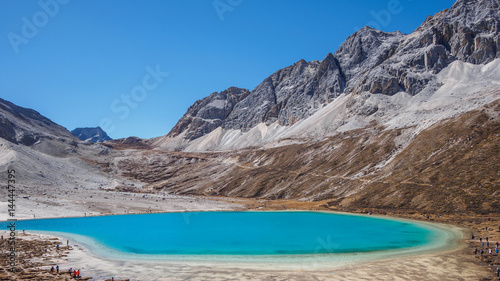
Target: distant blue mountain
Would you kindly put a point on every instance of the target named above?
(91, 134)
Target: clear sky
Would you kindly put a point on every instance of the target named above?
(135, 66)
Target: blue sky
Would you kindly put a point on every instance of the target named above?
(135, 66)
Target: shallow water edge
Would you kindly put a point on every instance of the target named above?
(448, 239)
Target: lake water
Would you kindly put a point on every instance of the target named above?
(240, 233)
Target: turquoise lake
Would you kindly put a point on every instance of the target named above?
(239, 233)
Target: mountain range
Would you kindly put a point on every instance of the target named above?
(370, 75)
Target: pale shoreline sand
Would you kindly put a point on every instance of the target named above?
(448, 264)
(444, 262)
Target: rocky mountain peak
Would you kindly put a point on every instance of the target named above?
(328, 63)
(91, 134)
(469, 30)
(369, 62)
(466, 6)
(366, 49)
(207, 114)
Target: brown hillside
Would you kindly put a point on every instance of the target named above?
(452, 166)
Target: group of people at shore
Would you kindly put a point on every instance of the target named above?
(490, 250)
(73, 273)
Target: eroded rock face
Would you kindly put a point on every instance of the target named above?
(207, 114)
(370, 60)
(25, 126)
(290, 94)
(469, 30)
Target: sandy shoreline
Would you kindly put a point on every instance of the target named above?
(448, 263)
(439, 266)
(441, 263)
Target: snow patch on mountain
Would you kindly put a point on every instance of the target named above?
(457, 89)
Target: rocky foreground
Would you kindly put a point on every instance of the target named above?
(35, 257)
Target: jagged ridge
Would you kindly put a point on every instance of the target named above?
(368, 61)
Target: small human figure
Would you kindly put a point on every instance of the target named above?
(57, 246)
(2, 237)
(472, 237)
(475, 251)
(490, 252)
(52, 270)
(496, 251)
(23, 231)
(480, 239)
(67, 242)
(57, 268)
(498, 272)
(70, 271)
(486, 238)
(482, 252)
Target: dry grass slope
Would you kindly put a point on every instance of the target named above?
(452, 166)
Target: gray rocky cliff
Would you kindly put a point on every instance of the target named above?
(207, 114)
(25, 126)
(370, 60)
